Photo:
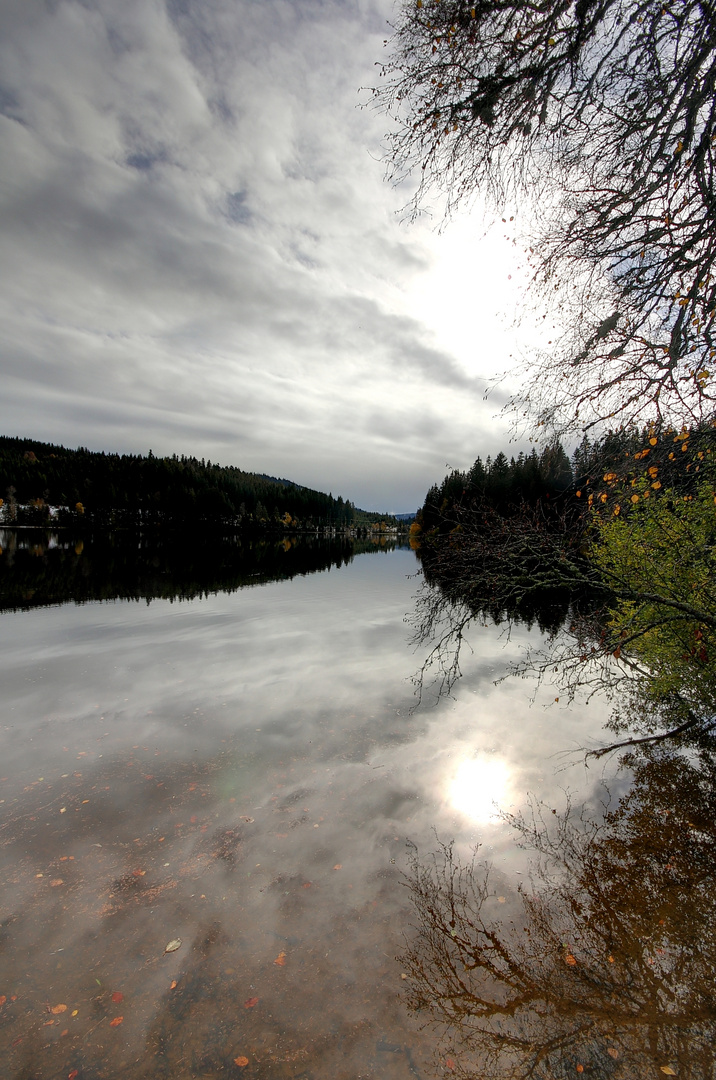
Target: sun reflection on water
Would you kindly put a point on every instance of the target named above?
(480, 787)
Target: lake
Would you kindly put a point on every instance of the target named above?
(209, 806)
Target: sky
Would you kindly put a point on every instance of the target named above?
(200, 253)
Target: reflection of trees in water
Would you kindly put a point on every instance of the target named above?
(442, 618)
(39, 568)
(607, 966)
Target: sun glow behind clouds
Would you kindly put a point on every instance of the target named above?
(479, 788)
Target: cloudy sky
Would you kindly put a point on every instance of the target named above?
(200, 253)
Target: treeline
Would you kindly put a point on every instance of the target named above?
(559, 485)
(114, 490)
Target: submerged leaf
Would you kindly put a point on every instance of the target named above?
(173, 945)
(280, 959)
(251, 1002)
(116, 1022)
(241, 1061)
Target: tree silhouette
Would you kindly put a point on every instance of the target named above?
(601, 116)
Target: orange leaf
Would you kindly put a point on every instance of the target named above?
(173, 985)
(612, 1052)
(250, 1003)
(449, 1064)
(57, 1009)
(56, 881)
(3, 999)
(338, 866)
(280, 959)
(241, 1061)
(569, 959)
(117, 996)
(580, 1068)
(73, 1075)
(116, 1022)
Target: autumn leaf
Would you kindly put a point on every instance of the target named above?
(241, 1061)
(173, 945)
(56, 881)
(668, 1070)
(449, 1064)
(569, 959)
(612, 1052)
(338, 866)
(57, 1009)
(173, 984)
(580, 1068)
(251, 1002)
(3, 999)
(73, 1075)
(280, 959)
(117, 996)
(116, 1022)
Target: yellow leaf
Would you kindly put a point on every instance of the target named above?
(668, 1070)
(635, 498)
(552, 41)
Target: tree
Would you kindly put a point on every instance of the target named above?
(623, 586)
(601, 116)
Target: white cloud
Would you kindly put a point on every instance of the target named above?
(201, 255)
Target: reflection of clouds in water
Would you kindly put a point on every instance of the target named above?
(480, 787)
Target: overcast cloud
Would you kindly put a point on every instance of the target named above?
(200, 254)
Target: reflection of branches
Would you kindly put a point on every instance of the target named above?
(609, 963)
(535, 567)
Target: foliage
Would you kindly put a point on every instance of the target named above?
(617, 571)
(114, 489)
(658, 560)
(601, 117)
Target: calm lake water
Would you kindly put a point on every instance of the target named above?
(240, 773)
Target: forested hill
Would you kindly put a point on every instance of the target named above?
(118, 489)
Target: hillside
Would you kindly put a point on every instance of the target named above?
(126, 489)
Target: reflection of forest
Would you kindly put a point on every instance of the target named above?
(40, 567)
(607, 964)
